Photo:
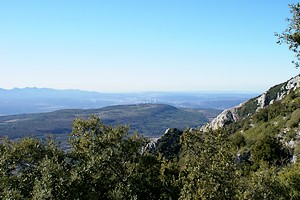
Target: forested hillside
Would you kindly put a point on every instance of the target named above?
(254, 158)
(150, 120)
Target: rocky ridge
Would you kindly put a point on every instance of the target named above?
(249, 107)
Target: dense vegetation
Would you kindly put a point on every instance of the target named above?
(250, 159)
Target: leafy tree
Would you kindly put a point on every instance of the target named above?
(109, 164)
(168, 145)
(268, 148)
(291, 35)
(238, 140)
(169, 175)
(262, 184)
(294, 119)
(290, 179)
(18, 167)
(54, 174)
(103, 162)
(209, 171)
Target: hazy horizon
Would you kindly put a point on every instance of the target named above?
(143, 91)
(144, 46)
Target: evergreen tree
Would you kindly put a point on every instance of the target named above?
(209, 171)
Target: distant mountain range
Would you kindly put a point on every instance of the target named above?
(150, 120)
(37, 100)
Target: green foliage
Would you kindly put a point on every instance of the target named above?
(169, 144)
(18, 164)
(290, 179)
(109, 164)
(25, 170)
(269, 113)
(53, 180)
(291, 35)
(262, 184)
(238, 140)
(169, 175)
(269, 149)
(103, 163)
(248, 108)
(209, 172)
(297, 150)
(294, 119)
(268, 131)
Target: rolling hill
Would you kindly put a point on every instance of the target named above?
(150, 120)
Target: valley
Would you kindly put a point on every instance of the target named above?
(149, 120)
(38, 100)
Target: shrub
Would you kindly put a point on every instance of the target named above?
(294, 119)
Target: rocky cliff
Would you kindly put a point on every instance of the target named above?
(249, 107)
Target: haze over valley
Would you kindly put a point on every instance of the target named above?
(37, 100)
(39, 111)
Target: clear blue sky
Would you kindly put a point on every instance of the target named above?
(144, 45)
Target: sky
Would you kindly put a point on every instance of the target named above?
(144, 45)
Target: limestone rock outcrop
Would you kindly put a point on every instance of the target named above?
(249, 107)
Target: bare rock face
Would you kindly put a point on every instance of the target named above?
(261, 101)
(290, 85)
(226, 117)
(293, 83)
(251, 106)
